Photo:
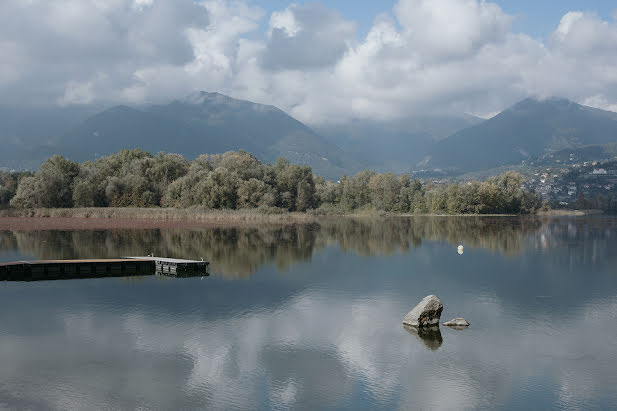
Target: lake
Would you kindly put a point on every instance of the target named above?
(310, 317)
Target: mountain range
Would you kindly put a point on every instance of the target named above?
(213, 123)
(394, 145)
(202, 123)
(529, 129)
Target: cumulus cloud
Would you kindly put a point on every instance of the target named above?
(444, 28)
(303, 37)
(422, 57)
(216, 47)
(59, 47)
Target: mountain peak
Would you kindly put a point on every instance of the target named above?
(528, 129)
(200, 97)
(202, 122)
(537, 102)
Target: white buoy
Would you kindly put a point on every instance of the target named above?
(460, 249)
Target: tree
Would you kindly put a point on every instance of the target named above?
(8, 186)
(51, 186)
(254, 193)
(327, 192)
(134, 178)
(295, 185)
(355, 191)
(384, 191)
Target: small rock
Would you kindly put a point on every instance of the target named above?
(426, 313)
(457, 322)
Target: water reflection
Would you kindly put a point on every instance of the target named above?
(429, 336)
(327, 333)
(317, 350)
(241, 251)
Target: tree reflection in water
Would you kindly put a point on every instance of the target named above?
(240, 251)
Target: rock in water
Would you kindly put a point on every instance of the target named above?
(426, 313)
(457, 323)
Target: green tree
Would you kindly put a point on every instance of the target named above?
(384, 191)
(355, 191)
(8, 186)
(51, 186)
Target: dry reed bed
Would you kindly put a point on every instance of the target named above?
(110, 217)
(67, 218)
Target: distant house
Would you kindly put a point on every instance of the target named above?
(572, 189)
(599, 171)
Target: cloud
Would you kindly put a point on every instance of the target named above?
(459, 56)
(585, 33)
(304, 37)
(425, 56)
(406, 65)
(450, 28)
(77, 93)
(578, 62)
(56, 45)
(217, 50)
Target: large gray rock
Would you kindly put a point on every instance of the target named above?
(427, 313)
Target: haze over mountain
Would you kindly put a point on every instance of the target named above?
(214, 123)
(201, 123)
(24, 131)
(529, 129)
(395, 145)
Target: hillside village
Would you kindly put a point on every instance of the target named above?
(590, 184)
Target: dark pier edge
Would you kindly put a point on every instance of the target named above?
(42, 270)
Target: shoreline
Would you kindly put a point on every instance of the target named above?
(119, 218)
(125, 218)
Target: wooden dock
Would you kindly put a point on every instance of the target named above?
(40, 270)
(176, 267)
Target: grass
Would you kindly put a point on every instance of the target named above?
(220, 217)
(165, 214)
(562, 212)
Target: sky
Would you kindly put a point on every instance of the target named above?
(534, 17)
(322, 62)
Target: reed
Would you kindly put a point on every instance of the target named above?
(260, 215)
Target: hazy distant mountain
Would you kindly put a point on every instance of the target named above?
(23, 131)
(203, 123)
(527, 130)
(579, 154)
(395, 145)
(531, 130)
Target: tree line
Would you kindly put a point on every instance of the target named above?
(590, 201)
(238, 180)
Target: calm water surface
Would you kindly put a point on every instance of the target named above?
(310, 317)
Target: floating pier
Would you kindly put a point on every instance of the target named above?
(176, 267)
(40, 270)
